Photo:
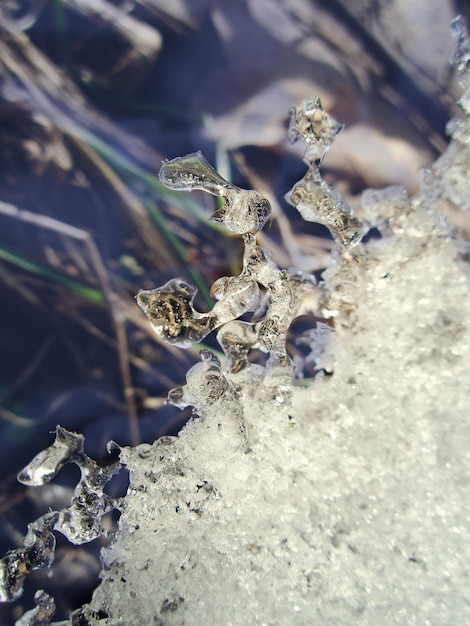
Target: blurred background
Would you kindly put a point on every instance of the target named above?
(93, 95)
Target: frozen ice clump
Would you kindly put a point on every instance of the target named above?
(460, 57)
(315, 200)
(205, 385)
(37, 553)
(243, 211)
(42, 614)
(80, 522)
(311, 123)
(170, 308)
(171, 312)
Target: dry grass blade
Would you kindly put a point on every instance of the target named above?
(142, 38)
(102, 275)
(31, 79)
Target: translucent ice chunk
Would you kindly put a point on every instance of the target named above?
(42, 614)
(316, 201)
(283, 305)
(37, 552)
(173, 317)
(236, 339)
(204, 383)
(171, 312)
(460, 57)
(236, 295)
(79, 523)
(243, 211)
(205, 386)
(193, 172)
(315, 126)
(67, 447)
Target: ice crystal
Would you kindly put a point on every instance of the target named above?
(317, 201)
(242, 212)
(311, 123)
(37, 553)
(313, 197)
(42, 614)
(460, 57)
(171, 312)
(80, 522)
(170, 308)
(205, 384)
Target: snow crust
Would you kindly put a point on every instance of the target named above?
(349, 506)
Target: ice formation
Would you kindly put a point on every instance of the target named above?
(42, 614)
(342, 501)
(170, 307)
(243, 211)
(80, 522)
(313, 197)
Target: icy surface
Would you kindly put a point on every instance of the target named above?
(347, 502)
(351, 506)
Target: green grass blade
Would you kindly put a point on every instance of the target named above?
(89, 293)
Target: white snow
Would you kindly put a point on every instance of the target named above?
(352, 506)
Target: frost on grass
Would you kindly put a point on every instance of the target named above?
(343, 500)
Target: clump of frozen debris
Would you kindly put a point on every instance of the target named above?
(346, 501)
